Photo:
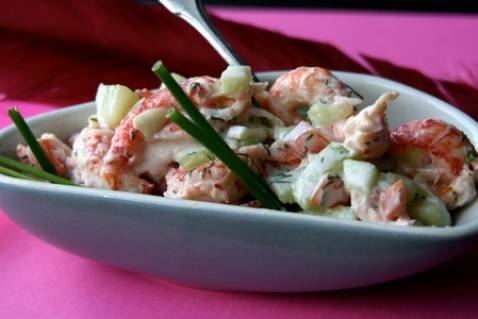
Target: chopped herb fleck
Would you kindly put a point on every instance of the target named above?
(268, 151)
(470, 157)
(324, 199)
(303, 111)
(195, 85)
(210, 156)
(281, 181)
(132, 134)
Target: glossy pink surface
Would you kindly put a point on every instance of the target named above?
(438, 45)
(40, 281)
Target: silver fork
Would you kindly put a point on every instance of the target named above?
(193, 12)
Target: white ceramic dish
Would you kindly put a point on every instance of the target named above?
(228, 247)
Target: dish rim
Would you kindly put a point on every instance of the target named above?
(460, 231)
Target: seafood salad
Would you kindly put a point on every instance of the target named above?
(306, 135)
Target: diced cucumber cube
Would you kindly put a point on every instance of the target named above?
(113, 102)
(150, 121)
(283, 190)
(428, 209)
(247, 133)
(359, 176)
(281, 181)
(235, 78)
(194, 159)
(327, 114)
(329, 160)
(265, 118)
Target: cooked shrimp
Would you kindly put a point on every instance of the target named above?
(212, 182)
(56, 151)
(393, 201)
(385, 203)
(438, 153)
(144, 93)
(461, 191)
(203, 91)
(89, 149)
(330, 192)
(302, 86)
(366, 134)
(296, 144)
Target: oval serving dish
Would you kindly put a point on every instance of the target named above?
(227, 247)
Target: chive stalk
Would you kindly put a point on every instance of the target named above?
(253, 183)
(30, 139)
(200, 129)
(9, 163)
(165, 76)
(12, 173)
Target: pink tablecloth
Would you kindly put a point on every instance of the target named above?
(40, 281)
(440, 45)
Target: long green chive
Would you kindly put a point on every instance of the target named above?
(5, 161)
(253, 183)
(30, 139)
(200, 129)
(12, 173)
(162, 72)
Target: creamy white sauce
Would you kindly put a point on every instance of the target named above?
(156, 156)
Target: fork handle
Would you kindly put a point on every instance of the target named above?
(193, 12)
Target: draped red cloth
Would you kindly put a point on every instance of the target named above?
(54, 53)
(57, 52)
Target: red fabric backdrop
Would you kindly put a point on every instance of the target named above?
(57, 51)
